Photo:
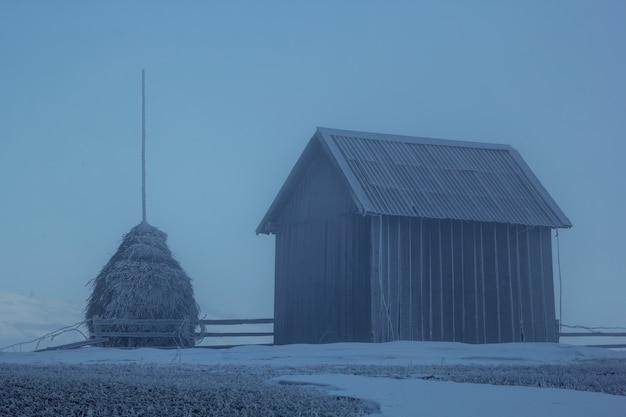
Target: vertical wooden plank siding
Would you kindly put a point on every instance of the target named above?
(537, 288)
(281, 302)
(388, 261)
(346, 280)
(548, 282)
(495, 285)
(410, 287)
(405, 319)
(529, 274)
(325, 297)
(417, 257)
(447, 282)
(463, 281)
(490, 284)
(393, 307)
(504, 283)
(525, 290)
(479, 265)
(541, 284)
(391, 280)
(432, 269)
(436, 282)
(460, 278)
(513, 282)
(374, 279)
(427, 320)
(497, 279)
(517, 281)
(470, 334)
(530, 278)
(457, 280)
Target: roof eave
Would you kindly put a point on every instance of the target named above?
(288, 185)
(563, 220)
(363, 205)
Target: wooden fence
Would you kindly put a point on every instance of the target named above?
(163, 328)
(598, 334)
(231, 322)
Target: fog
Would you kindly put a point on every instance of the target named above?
(235, 91)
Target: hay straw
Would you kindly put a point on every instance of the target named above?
(142, 280)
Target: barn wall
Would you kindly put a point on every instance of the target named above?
(460, 281)
(322, 260)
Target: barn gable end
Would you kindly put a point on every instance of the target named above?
(321, 252)
(382, 237)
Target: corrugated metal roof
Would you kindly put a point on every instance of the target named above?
(437, 179)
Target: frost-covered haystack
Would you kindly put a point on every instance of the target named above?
(142, 280)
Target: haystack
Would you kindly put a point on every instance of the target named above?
(144, 281)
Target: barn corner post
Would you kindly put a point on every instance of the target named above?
(559, 324)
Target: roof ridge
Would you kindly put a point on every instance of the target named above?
(388, 137)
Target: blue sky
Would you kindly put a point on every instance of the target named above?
(235, 91)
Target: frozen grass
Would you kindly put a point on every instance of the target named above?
(607, 376)
(135, 390)
(182, 390)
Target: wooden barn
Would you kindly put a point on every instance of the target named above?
(382, 237)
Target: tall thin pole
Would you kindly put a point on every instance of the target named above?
(143, 145)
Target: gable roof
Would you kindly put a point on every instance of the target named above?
(429, 178)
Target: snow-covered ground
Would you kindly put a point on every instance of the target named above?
(397, 383)
(338, 354)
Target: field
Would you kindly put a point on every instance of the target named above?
(395, 379)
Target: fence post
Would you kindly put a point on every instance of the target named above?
(95, 321)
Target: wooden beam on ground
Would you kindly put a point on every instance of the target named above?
(75, 345)
(613, 346)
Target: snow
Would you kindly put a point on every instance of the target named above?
(390, 354)
(395, 395)
(412, 397)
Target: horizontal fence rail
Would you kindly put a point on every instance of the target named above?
(586, 334)
(231, 322)
(594, 333)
